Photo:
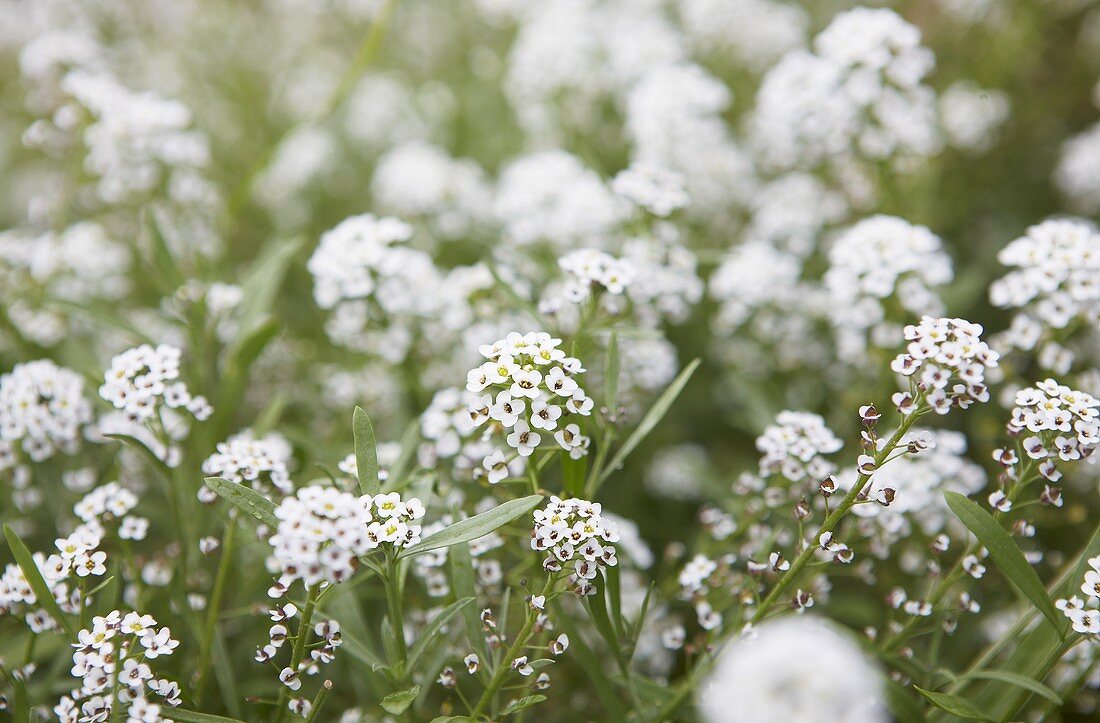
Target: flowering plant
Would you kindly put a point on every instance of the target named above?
(733, 361)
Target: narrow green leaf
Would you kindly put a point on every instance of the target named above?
(474, 527)
(615, 598)
(463, 581)
(597, 608)
(163, 260)
(190, 716)
(573, 472)
(952, 704)
(451, 719)
(1004, 552)
(245, 499)
(611, 373)
(1020, 681)
(270, 415)
(523, 704)
(397, 703)
(901, 704)
(366, 452)
(140, 446)
(432, 630)
(650, 420)
(262, 283)
(104, 316)
(42, 594)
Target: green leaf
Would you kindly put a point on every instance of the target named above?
(953, 704)
(397, 703)
(649, 421)
(42, 594)
(451, 719)
(1020, 681)
(901, 704)
(573, 472)
(611, 373)
(245, 499)
(163, 260)
(104, 316)
(597, 608)
(262, 283)
(474, 527)
(140, 446)
(1004, 552)
(432, 630)
(523, 704)
(366, 452)
(463, 581)
(615, 598)
(190, 716)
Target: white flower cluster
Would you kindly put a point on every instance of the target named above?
(138, 140)
(143, 379)
(698, 576)
(259, 462)
(1083, 614)
(651, 187)
(323, 531)
(752, 275)
(754, 33)
(1055, 423)
(111, 659)
(792, 210)
(1077, 172)
(365, 272)
(420, 181)
(322, 652)
(971, 115)
(574, 530)
(1054, 280)
(528, 384)
(881, 258)
(447, 429)
(78, 264)
(795, 447)
(789, 655)
(551, 197)
(590, 269)
(948, 360)
(42, 410)
(860, 93)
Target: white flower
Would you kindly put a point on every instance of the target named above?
(523, 439)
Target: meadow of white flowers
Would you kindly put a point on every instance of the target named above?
(731, 361)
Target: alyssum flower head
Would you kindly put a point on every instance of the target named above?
(946, 361)
(322, 531)
(142, 379)
(1054, 423)
(528, 390)
(42, 408)
(574, 530)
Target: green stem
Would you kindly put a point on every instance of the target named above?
(393, 601)
(214, 605)
(513, 650)
(832, 521)
(299, 647)
(319, 701)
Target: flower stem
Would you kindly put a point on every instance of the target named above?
(505, 663)
(299, 647)
(832, 521)
(213, 608)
